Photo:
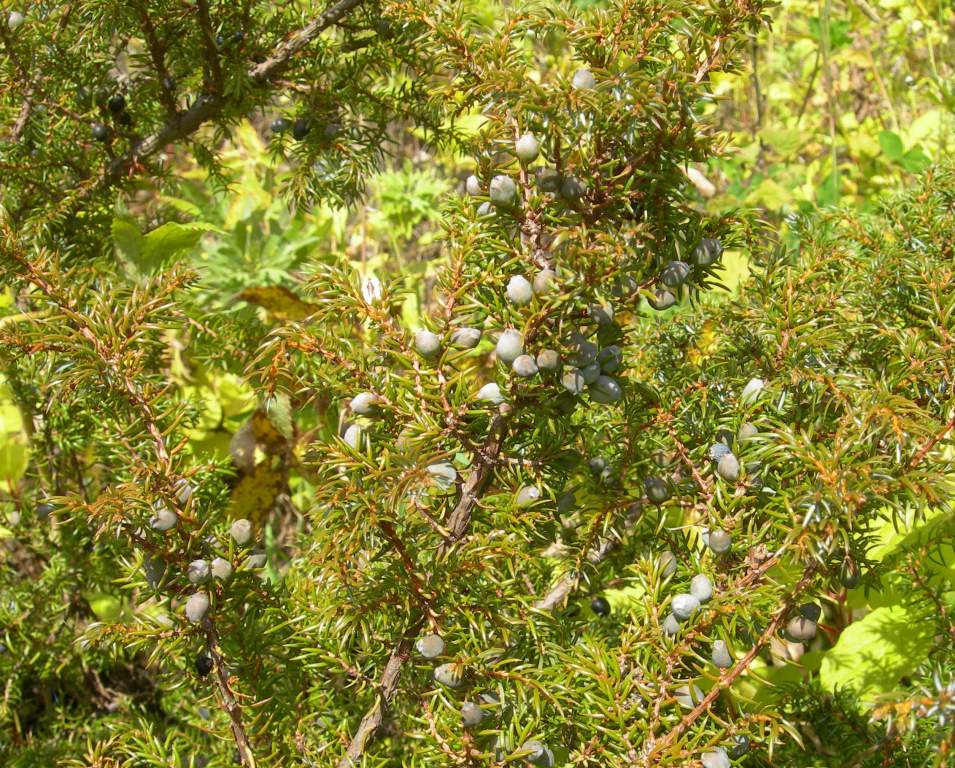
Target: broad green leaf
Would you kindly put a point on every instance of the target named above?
(170, 238)
(891, 144)
(14, 444)
(915, 160)
(127, 239)
(873, 653)
(105, 607)
(280, 302)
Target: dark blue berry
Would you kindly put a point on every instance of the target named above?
(116, 104)
(301, 128)
(279, 125)
(600, 606)
(203, 665)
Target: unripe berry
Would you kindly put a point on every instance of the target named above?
(14, 20)
(241, 532)
(668, 562)
(605, 390)
(537, 753)
(600, 606)
(572, 188)
(800, 629)
(688, 696)
(519, 291)
(466, 338)
(450, 675)
(221, 569)
(430, 646)
(602, 314)
(566, 502)
(584, 80)
(198, 571)
(352, 437)
(747, 431)
(485, 209)
(718, 451)
(527, 496)
(740, 746)
(502, 191)
(526, 148)
(662, 299)
(716, 759)
(154, 568)
(99, 132)
(573, 381)
(684, 605)
(257, 559)
(163, 518)
(728, 468)
(473, 186)
(548, 180)
(671, 625)
(44, 510)
(849, 575)
(544, 282)
(427, 343)
(701, 587)
(719, 541)
(471, 714)
(751, 391)
(590, 373)
(301, 128)
(721, 655)
(510, 346)
(490, 393)
(524, 366)
(443, 474)
(675, 274)
(610, 358)
(656, 489)
(548, 360)
(707, 252)
(196, 607)
(203, 665)
(364, 403)
(582, 352)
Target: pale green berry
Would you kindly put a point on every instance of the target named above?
(684, 605)
(221, 569)
(510, 346)
(490, 393)
(668, 562)
(747, 431)
(427, 343)
(196, 607)
(430, 646)
(471, 714)
(728, 467)
(610, 358)
(719, 541)
(675, 274)
(657, 489)
(800, 629)
(701, 587)
(524, 366)
(715, 759)
(241, 532)
(548, 360)
(573, 381)
(544, 281)
(662, 299)
(548, 180)
(352, 437)
(688, 696)
(473, 186)
(584, 80)
(183, 491)
(466, 338)
(581, 351)
(590, 373)
(671, 625)
(485, 209)
(519, 291)
(502, 191)
(751, 391)
(721, 655)
(707, 251)
(718, 451)
(365, 403)
(605, 390)
(527, 496)
(15, 19)
(163, 518)
(450, 675)
(527, 148)
(443, 474)
(198, 571)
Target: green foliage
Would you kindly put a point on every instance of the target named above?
(192, 305)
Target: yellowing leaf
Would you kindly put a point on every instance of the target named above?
(280, 302)
(254, 495)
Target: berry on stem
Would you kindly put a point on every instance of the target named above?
(471, 714)
(430, 646)
(196, 607)
(427, 343)
(198, 571)
(466, 338)
(684, 605)
(490, 393)
(241, 532)
(584, 80)
(502, 191)
(204, 665)
(657, 490)
(719, 541)
(701, 587)
(364, 403)
(519, 291)
(728, 467)
(510, 346)
(473, 186)
(721, 655)
(548, 360)
(600, 606)
(450, 675)
(527, 496)
(527, 148)
(524, 366)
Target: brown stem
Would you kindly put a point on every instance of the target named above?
(229, 703)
